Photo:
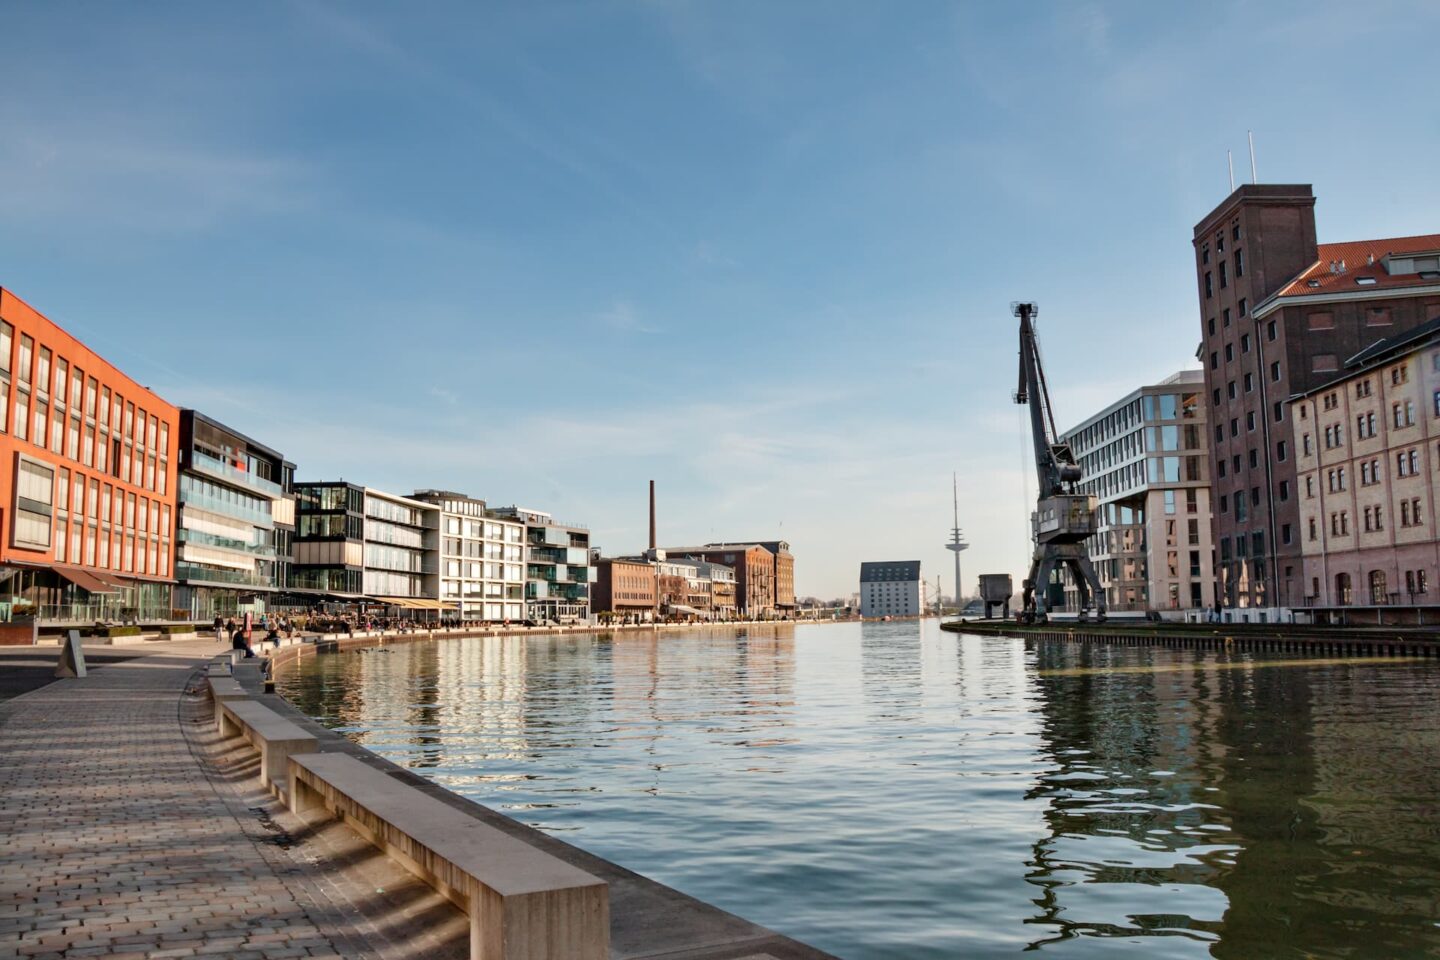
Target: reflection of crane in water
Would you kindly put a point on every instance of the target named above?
(1063, 518)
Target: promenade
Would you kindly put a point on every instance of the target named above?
(130, 832)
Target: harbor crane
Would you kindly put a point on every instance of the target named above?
(1064, 518)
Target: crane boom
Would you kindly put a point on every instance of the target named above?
(1064, 518)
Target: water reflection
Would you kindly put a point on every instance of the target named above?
(887, 790)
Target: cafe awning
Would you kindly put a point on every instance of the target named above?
(86, 580)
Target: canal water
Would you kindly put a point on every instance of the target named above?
(894, 791)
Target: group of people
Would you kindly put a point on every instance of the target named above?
(240, 637)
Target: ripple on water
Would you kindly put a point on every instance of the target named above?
(890, 791)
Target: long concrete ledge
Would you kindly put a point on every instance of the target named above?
(276, 738)
(523, 903)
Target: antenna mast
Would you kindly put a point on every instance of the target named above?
(1254, 177)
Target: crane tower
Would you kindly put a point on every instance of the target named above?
(1064, 518)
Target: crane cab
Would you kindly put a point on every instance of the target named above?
(1065, 518)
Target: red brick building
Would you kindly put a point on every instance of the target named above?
(87, 484)
(764, 574)
(1280, 314)
(625, 587)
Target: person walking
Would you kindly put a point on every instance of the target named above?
(219, 627)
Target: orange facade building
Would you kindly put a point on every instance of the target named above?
(87, 483)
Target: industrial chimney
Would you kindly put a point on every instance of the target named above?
(652, 516)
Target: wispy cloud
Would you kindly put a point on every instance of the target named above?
(622, 317)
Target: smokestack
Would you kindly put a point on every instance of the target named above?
(652, 514)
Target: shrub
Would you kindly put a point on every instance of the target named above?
(127, 631)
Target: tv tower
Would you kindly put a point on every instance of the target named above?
(957, 539)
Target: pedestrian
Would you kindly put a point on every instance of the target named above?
(219, 627)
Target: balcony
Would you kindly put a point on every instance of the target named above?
(263, 551)
(225, 508)
(195, 573)
(224, 472)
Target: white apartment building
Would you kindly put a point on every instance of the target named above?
(1146, 461)
(891, 588)
(482, 558)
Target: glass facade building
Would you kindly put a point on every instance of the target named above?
(354, 542)
(234, 536)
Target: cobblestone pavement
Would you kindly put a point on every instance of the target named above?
(130, 831)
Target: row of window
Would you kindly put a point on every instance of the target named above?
(1410, 516)
(116, 438)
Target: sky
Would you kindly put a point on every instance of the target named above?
(761, 253)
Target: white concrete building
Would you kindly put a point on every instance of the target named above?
(482, 558)
(891, 588)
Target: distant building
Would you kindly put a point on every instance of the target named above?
(358, 543)
(558, 574)
(482, 558)
(764, 574)
(891, 588)
(1145, 460)
(233, 542)
(1279, 313)
(626, 588)
(1368, 481)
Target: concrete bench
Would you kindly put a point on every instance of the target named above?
(223, 689)
(276, 738)
(524, 903)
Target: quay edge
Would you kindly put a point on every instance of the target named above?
(1352, 641)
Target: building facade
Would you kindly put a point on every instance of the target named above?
(358, 543)
(626, 588)
(236, 521)
(87, 482)
(558, 575)
(891, 588)
(1278, 313)
(1367, 445)
(482, 558)
(762, 571)
(1146, 461)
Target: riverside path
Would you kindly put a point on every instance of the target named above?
(130, 831)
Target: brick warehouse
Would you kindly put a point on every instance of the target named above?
(1280, 314)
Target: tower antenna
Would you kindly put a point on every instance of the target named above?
(1254, 177)
(957, 539)
(1230, 161)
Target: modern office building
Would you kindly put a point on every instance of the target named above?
(1367, 454)
(558, 574)
(1146, 461)
(1279, 313)
(626, 588)
(87, 483)
(891, 588)
(356, 543)
(482, 558)
(236, 521)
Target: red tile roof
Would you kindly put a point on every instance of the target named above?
(1356, 256)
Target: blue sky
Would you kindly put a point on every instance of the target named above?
(759, 252)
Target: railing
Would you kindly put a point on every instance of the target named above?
(99, 611)
(261, 518)
(200, 538)
(204, 463)
(190, 571)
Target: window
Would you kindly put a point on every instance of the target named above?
(1280, 452)
(1214, 361)
(1399, 375)
(1403, 415)
(1239, 263)
(1284, 490)
(1243, 307)
(1224, 274)
(1250, 383)
(34, 504)
(1209, 286)
(1362, 389)
(1305, 444)
(1220, 466)
(1377, 587)
(1285, 533)
(1312, 528)
(1310, 487)
(1279, 411)
(1250, 420)
(1210, 326)
(1234, 425)
(1270, 332)
(1226, 314)
(1244, 343)
(1230, 389)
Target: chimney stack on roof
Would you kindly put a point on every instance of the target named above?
(652, 514)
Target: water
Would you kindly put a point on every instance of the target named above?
(894, 791)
